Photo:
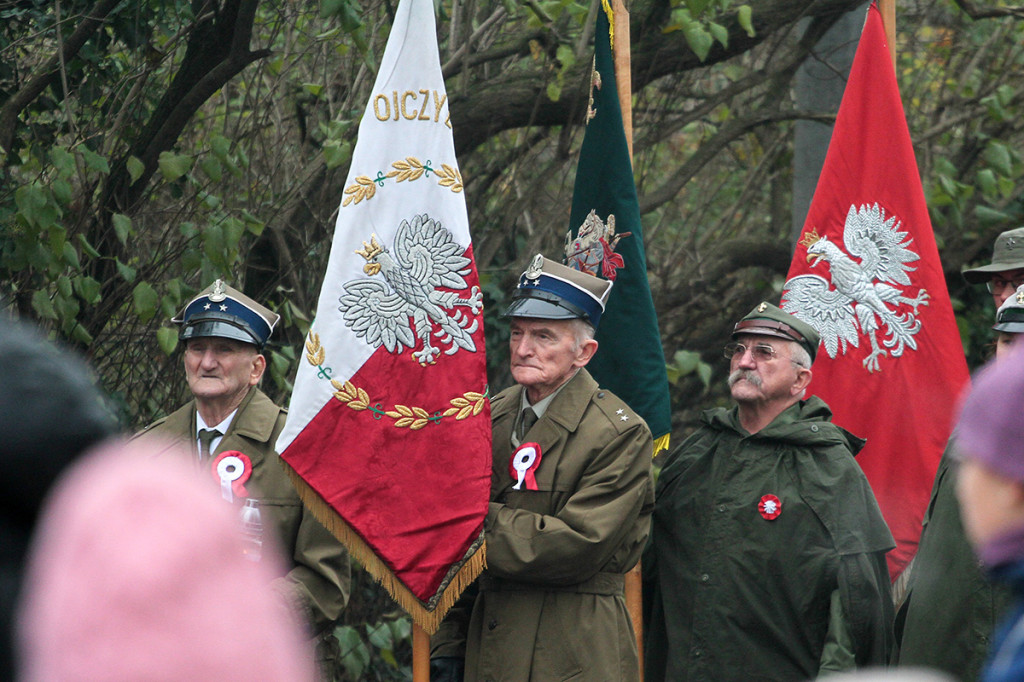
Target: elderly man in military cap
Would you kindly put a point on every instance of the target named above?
(231, 427)
(571, 496)
(767, 551)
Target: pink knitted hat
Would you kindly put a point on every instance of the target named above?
(137, 573)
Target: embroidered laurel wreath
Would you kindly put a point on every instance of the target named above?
(469, 404)
(410, 169)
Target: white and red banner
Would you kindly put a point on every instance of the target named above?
(866, 274)
(388, 431)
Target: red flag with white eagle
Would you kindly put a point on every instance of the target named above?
(388, 434)
(866, 274)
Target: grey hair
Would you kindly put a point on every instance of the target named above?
(801, 358)
(800, 355)
(582, 331)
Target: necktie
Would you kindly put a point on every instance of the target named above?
(528, 419)
(206, 437)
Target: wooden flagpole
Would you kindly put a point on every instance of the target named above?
(887, 8)
(624, 83)
(420, 654)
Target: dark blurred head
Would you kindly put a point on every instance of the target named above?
(50, 412)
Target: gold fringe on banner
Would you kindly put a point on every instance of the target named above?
(428, 615)
(661, 443)
(611, 22)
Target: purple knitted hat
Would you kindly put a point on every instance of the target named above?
(991, 425)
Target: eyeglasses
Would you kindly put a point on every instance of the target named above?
(997, 285)
(761, 352)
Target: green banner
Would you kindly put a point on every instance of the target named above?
(629, 361)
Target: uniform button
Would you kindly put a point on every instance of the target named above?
(697, 653)
(814, 428)
(493, 624)
(705, 577)
(721, 507)
(600, 394)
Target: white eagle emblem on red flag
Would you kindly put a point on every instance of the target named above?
(425, 258)
(858, 298)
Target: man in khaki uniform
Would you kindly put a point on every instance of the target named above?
(571, 498)
(231, 427)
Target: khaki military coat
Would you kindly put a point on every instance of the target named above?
(550, 605)
(318, 578)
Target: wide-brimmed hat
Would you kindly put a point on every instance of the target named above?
(1007, 254)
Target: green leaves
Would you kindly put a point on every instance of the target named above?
(94, 160)
(380, 640)
(122, 225)
(173, 166)
(167, 337)
(696, 19)
(145, 299)
(686, 363)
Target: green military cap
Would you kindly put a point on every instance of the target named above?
(1010, 316)
(224, 312)
(1007, 254)
(770, 320)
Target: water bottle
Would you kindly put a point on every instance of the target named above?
(252, 530)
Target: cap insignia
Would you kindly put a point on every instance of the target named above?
(763, 307)
(536, 267)
(1020, 297)
(219, 292)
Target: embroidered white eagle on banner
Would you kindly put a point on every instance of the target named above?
(857, 300)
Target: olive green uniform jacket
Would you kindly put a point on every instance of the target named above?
(952, 609)
(318, 581)
(550, 605)
(732, 594)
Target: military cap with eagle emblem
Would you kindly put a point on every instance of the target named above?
(770, 320)
(224, 312)
(552, 291)
(1010, 316)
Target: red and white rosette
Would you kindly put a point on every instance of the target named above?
(523, 463)
(770, 507)
(232, 469)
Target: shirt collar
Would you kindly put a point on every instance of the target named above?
(222, 427)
